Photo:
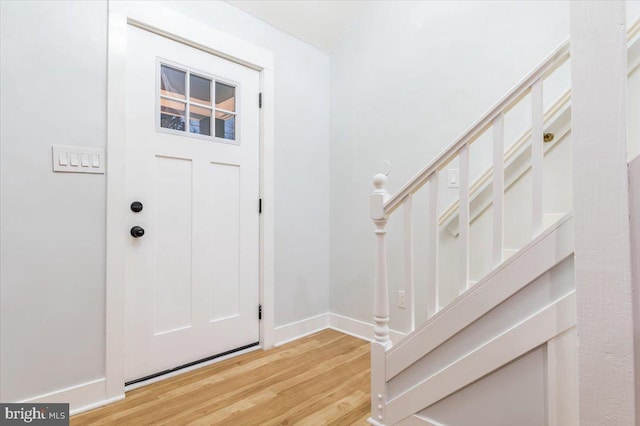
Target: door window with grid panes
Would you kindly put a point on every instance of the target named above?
(185, 104)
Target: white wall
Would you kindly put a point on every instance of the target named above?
(406, 80)
(53, 225)
(53, 84)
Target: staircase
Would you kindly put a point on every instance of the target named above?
(519, 315)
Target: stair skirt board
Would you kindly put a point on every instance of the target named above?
(417, 420)
(522, 338)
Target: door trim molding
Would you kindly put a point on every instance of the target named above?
(167, 23)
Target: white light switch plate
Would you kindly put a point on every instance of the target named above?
(74, 159)
(453, 178)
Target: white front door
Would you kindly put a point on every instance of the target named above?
(193, 165)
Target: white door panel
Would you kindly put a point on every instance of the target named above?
(192, 279)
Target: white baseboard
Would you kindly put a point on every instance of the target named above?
(356, 328)
(353, 327)
(295, 330)
(82, 397)
(98, 404)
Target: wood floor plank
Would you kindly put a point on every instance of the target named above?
(322, 379)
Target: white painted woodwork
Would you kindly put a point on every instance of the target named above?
(517, 165)
(508, 253)
(562, 379)
(523, 337)
(551, 328)
(463, 237)
(378, 384)
(498, 189)
(116, 242)
(601, 214)
(381, 342)
(381, 205)
(513, 395)
(417, 420)
(634, 204)
(534, 296)
(203, 36)
(537, 156)
(381, 300)
(409, 281)
(433, 236)
(546, 67)
(557, 119)
(542, 254)
(192, 284)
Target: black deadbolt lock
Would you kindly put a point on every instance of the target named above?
(137, 232)
(136, 206)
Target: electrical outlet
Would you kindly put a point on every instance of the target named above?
(402, 299)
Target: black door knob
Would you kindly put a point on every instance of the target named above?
(136, 206)
(137, 231)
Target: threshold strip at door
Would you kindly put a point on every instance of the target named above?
(190, 364)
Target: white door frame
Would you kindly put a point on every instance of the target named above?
(167, 23)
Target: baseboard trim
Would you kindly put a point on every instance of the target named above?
(353, 327)
(360, 329)
(295, 330)
(82, 397)
(95, 405)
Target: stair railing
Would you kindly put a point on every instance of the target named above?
(382, 205)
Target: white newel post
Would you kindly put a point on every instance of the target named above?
(381, 342)
(602, 261)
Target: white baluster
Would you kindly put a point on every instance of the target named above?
(433, 236)
(537, 156)
(463, 235)
(381, 300)
(498, 190)
(409, 286)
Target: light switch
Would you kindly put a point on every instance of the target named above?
(453, 178)
(63, 160)
(76, 159)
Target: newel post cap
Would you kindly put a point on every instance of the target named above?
(380, 181)
(378, 197)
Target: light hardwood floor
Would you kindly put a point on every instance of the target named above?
(322, 379)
